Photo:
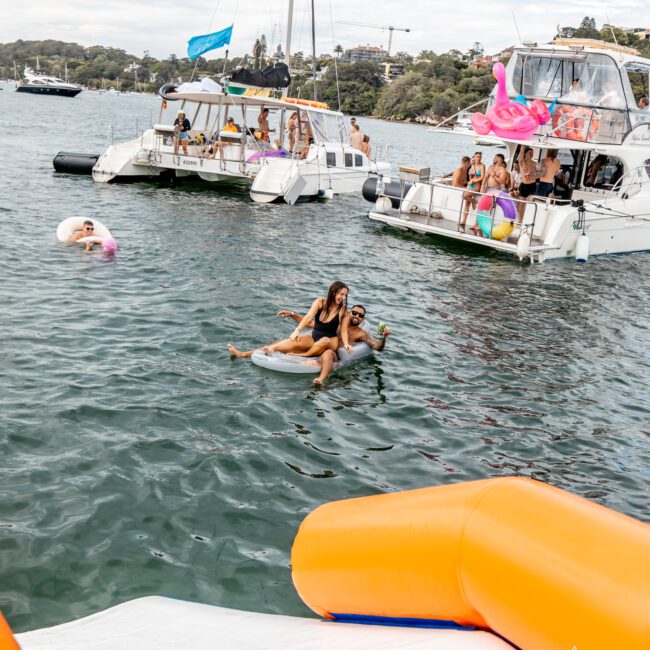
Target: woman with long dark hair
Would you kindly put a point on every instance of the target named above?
(330, 318)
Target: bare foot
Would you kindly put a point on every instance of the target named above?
(235, 352)
(318, 381)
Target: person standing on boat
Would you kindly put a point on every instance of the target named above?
(181, 132)
(475, 177)
(356, 137)
(263, 125)
(460, 177)
(528, 184)
(292, 128)
(550, 168)
(497, 174)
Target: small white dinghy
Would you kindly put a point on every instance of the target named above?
(72, 224)
(307, 365)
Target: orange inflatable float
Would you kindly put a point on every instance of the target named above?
(539, 566)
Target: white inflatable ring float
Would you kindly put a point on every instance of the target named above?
(308, 365)
(68, 227)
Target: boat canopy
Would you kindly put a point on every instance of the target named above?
(577, 76)
(273, 76)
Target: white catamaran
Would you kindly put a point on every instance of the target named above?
(600, 201)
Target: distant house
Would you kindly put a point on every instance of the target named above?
(485, 61)
(642, 32)
(364, 53)
(132, 66)
(392, 70)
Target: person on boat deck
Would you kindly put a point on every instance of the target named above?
(330, 316)
(292, 128)
(460, 176)
(356, 137)
(216, 143)
(475, 177)
(307, 137)
(365, 145)
(611, 98)
(515, 179)
(86, 230)
(263, 125)
(591, 176)
(528, 184)
(643, 104)
(328, 358)
(181, 131)
(550, 168)
(230, 126)
(497, 174)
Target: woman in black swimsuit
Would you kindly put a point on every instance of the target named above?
(330, 315)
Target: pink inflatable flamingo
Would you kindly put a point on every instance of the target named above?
(510, 119)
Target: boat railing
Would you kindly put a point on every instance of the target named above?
(431, 209)
(632, 182)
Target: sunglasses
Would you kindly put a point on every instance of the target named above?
(354, 312)
(88, 228)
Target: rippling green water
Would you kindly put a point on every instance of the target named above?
(138, 458)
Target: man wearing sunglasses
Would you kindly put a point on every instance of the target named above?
(355, 335)
(87, 230)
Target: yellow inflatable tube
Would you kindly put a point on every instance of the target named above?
(539, 566)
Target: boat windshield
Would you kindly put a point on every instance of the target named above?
(327, 128)
(573, 77)
(636, 77)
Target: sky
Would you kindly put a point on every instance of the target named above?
(163, 27)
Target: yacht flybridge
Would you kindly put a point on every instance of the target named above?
(317, 162)
(600, 202)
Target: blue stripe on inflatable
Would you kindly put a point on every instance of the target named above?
(435, 623)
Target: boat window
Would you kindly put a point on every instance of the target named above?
(331, 158)
(588, 79)
(647, 166)
(636, 77)
(358, 160)
(603, 172)
(348, 160)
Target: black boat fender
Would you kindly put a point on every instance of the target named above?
(393, 189)
(75, 163)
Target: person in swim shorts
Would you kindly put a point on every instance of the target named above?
(550, 168)
(330, 319)
(528, 171)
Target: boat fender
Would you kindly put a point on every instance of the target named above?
(325, 195)
(523, 244)
(582, 248)
(383, 204)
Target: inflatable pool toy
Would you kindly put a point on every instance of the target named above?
(500, 229)
(482, 565)
(308, 365)
(274, 153)
(508, 119)
(526, 560)
(68, 226)
(109, 245)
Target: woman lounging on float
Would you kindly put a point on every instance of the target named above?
(330, 316)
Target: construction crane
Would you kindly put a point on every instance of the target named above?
(390, 29)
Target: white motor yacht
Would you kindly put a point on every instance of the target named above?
(46, 85)
(321, 162)
(600, 201)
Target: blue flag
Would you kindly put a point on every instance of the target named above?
(198, 45)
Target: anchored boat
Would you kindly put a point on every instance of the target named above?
(40, 84)
(600, 202)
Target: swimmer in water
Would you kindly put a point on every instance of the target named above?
(86, 230)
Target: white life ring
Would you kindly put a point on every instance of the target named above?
(308, 365)
(68, 227)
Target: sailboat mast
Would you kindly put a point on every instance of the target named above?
(313, 47)
(287, 56)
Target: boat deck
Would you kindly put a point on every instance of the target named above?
(449, 228)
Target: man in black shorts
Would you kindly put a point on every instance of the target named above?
(528, 171)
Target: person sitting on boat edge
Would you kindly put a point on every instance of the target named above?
(181, 129)
(330, 317)
(85, 231)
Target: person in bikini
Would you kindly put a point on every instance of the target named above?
(475, 176)
(528, 171)
(355, 335)
(330, 318)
